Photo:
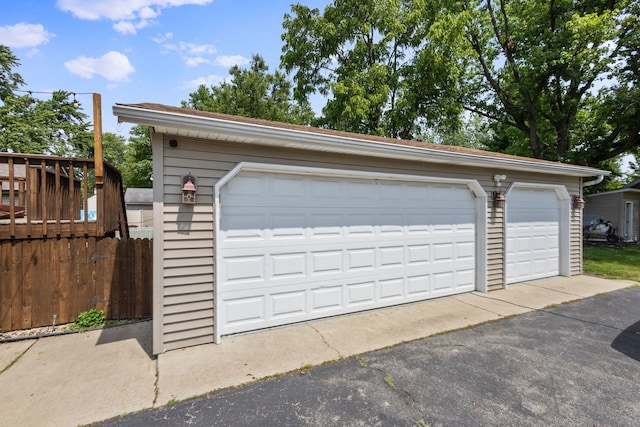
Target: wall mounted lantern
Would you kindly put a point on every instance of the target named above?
(578, 202)
(188, 190)
(499, 200)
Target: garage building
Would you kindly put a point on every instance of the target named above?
(283, 223)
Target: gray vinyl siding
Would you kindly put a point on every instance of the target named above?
(576, 241)
(606, 205)
(186, 267)
(495, 251)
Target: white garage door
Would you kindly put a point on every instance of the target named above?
(300, 247)
(533, 234)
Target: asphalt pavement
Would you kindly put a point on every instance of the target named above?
(574, 364)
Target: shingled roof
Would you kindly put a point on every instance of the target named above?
(161, 116)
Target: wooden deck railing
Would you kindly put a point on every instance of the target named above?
(46, 196)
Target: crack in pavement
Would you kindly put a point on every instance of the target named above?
(409, 399)
(14, 361)
(156, 389)
(478, 307)
(325, 341)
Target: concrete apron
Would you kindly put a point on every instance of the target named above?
(92, 376)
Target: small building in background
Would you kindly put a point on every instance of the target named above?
(139, 205)
(622, 207)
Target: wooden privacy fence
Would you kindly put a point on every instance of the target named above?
(53, 280)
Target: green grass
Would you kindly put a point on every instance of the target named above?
(621, 263)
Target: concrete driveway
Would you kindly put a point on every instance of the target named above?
(575, 364)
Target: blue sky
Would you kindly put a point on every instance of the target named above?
(133, 51)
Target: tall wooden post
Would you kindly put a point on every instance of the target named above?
(97, 137)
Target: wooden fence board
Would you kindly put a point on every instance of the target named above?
(63, 250)
(147, 274)
(27, 265)
(40, 278)
(105, 260)
(137, 300)
(16, 288)
(6, 296)
(40, 311)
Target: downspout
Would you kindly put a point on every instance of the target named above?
(598, 180)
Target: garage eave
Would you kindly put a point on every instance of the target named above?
(213, 128)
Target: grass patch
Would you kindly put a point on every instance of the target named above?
(612, 262)
(362, 362)
(389, 381)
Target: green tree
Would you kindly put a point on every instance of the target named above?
(474, 132)
(558, 79)
(137, 169)
(39, 126)
(51, 126)
(377, 64)
(114, 150)
(9, 80)
(252, 92)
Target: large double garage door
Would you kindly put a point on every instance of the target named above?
(294, 247)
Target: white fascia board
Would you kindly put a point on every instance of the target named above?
(294, 138)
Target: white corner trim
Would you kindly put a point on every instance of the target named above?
(473, 185)
(481, 242)
(561, 190)
(158, 244)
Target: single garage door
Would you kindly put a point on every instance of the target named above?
(533, 234)
(299, 247)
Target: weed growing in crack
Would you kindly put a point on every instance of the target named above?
(362, 362)
(389, 381)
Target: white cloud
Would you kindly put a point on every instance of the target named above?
(24, 35)
(193, 54)
(129, 27)
(113, 66)
(230, 61)
(125, 27)
(135, 12)
(190, 48)
(211, 79)
(195, 61)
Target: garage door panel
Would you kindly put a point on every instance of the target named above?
(243, 269)
(361, 293)
(326, 298)
(245, 310)
(337, 246)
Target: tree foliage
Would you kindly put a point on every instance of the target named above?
(557, 80)
(252, 92)
(114, 149)
(558, 75)
(44, 126)
(39, 126)
(9, 80)
(137, 169)
(376, 62)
